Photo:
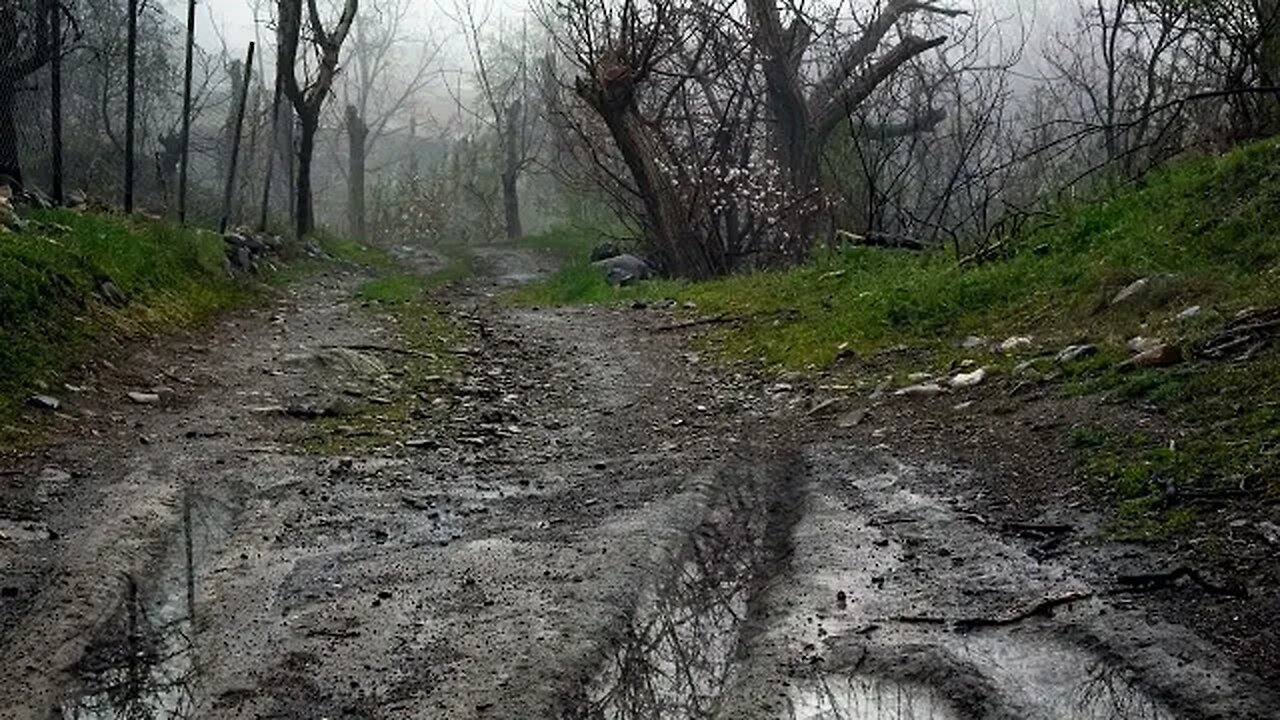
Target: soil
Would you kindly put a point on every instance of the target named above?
(592, 521)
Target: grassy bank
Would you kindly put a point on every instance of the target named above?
(1207, 232)
(72, 283)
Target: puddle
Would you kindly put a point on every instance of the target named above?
(140, 663)
(678, 655)
(867, 698)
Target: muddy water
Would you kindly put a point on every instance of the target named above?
(141, 661)
(693, 648)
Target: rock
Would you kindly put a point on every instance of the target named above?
(604, 250)
(143, 398)
(973, 342)
(624, 269)
(1016, 342)
(852, 419)
(916, 377)
(1072, 353)
(969, 379)
(961, 407)
(1189, 313)
(923, 390)
(1143, 286)
(1158, 356)
(1270, 532)
(1142, 344)
(44, 402)
(823, 407)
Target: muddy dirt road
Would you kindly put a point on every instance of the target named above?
(584, 520)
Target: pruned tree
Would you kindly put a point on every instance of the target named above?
(388, 70)
(309, 94)
(501, 81)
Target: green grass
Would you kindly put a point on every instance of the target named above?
(52, 304)
(578, 281)
(1213, 224)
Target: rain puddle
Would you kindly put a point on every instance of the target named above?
(677, 656)
(140, 662)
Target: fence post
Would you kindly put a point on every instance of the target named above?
(186, 113)
(55, 101)
(229, 191)
(131, 101)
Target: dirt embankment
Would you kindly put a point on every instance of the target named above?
(601, 526)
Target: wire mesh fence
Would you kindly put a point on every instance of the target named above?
(93, 110)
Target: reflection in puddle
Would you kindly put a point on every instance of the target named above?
(678, 654)
(138, 666)
(867, 698)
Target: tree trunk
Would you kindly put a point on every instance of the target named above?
(357, 137)
(511, 173)
(304, 211)
(1269, 51)
(9, 162)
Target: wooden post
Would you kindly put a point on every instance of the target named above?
(229, 191)
(55, 101)
(131, 102)
(186, 112)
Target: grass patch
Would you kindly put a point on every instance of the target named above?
(578, 281)
(72, 282)
(430, 335)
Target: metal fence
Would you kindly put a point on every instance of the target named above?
(111, 102)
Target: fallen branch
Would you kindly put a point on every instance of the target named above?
(1043, 608)
(712, 320)
(365, 347)
(1148, 582)
(881, 239)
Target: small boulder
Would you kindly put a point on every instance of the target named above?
(44, 402)
(1189, 313)
(625, 269)
(920, 391)
(143, 398)
(916, 377)
(973, 342)
(1014, 343)
(1072, 353)
(969, 379)
(1158, 356)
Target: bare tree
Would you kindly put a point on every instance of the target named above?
(25, 47)
(309, 94)
(389, 68)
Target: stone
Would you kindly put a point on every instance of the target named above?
(1027, 366)
(1142, 344)
(1189, 313)
(973, 342)
(44, 402)
(969, 379)
(1269, 532)
(1142, 286)
(852, 419)
(916, 377)
(1158, 356)
(625, 269)
(1016, 342)
(1072, 353)
(923, 390)
(143, 398)
(961, 407)
(112, 294)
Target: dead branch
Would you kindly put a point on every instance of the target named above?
(1043, 608)
(881, 239)
(1148, 582)
(699, 322)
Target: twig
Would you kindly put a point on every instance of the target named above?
(382, 348)
(712, 320)
(1043, 608)
(1147, 582)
